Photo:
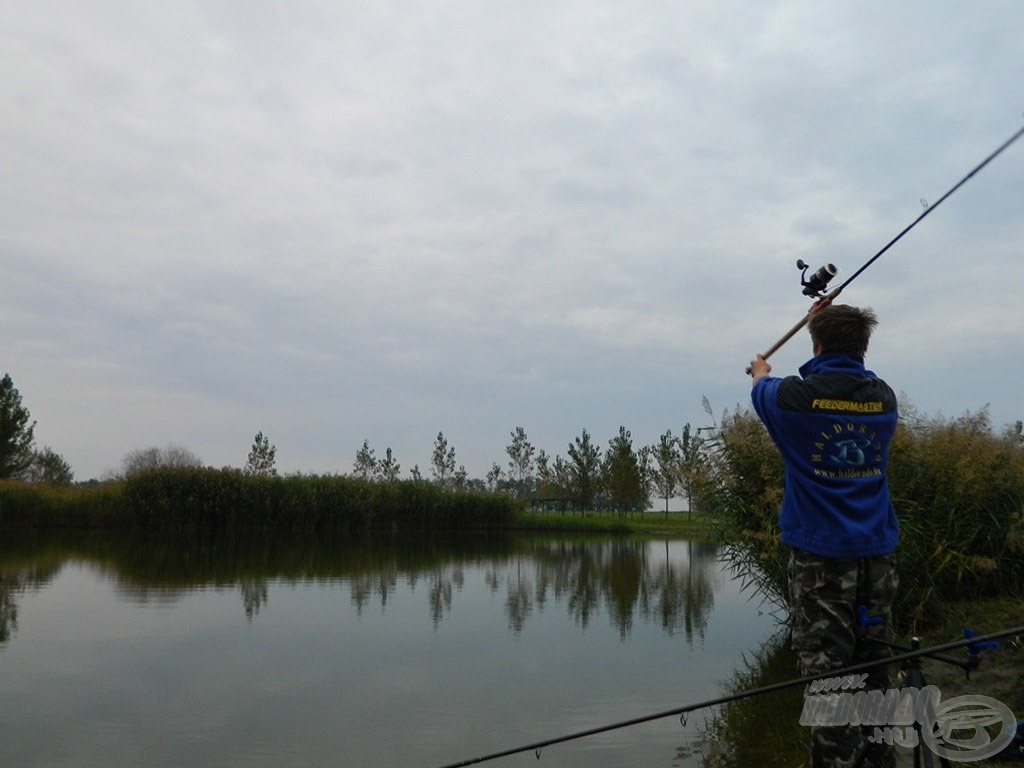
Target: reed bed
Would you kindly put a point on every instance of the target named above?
(958, 489)
(210, 499)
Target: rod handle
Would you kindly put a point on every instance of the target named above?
(822, 302)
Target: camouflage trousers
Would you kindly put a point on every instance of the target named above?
(824, 597)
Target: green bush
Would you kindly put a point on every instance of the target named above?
(746, 493)
(958, 489)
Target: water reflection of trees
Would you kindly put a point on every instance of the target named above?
(629, 579)
(760, 730)
(15, 580)
(9, 586)
(364, 587)
(667, 583)
(254, 596)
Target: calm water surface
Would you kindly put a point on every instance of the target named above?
(272, 652)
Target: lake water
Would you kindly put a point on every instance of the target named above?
(291, 652)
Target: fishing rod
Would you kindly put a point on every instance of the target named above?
(681, 712)
(815, 285)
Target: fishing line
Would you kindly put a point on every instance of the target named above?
(927, 210)
(681, 712)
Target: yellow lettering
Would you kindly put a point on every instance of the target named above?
(849, 406)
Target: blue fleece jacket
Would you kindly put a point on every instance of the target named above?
(833, 425)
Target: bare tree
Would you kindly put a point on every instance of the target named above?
(144, 459)
(48, 467)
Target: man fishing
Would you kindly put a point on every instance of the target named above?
(833, 424)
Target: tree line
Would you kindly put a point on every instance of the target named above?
(19, 457)
(621, 477)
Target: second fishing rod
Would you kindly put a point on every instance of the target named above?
(536, 747)
(816, 285)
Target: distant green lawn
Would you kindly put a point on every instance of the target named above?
(676, 523)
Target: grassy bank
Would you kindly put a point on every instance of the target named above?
(1000, 674)
(651, 523)
(1001, 671)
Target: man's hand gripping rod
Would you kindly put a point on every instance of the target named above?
(827, 298)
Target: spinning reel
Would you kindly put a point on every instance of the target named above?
(817, 283)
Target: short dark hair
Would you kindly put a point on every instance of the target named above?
(842, 328)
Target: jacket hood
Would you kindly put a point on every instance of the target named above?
(835, 362)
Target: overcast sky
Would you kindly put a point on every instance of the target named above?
(345, 221)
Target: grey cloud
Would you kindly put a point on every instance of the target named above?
(377, 221)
